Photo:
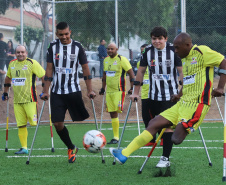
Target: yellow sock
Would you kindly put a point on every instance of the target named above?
(137, 142)
(115, 127)
(22, 133)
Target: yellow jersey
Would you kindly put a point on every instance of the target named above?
(23, 75)
(146, 83)
(198, 70)
(115, 69)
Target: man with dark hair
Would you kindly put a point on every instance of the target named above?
(102, 54)
(63, 58)
(3, 48)
(194, 99)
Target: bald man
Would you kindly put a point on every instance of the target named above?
(188, 113)
(22, 73)
(114, 77)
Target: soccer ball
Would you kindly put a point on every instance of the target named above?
(94, 141)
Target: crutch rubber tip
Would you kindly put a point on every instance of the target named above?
(27, 162)
(103, 161)
(53, 150)
(224, 179)
(139, 172)
(210, 164)
(6, 149)
(114, 163)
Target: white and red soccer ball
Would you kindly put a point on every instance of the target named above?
(94, 141)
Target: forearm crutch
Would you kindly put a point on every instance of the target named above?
(138, 121)
(51, 128)
(153, 147)
(127, 115)
(94, 113)
(224, 151)
(7, 124)
(28, 160)
(204, 144)
(102, 110)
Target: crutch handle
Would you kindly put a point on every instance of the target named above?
(135, 99)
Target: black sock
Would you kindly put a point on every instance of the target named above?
(167, 144)
(64, 136)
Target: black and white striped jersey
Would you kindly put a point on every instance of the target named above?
(162, 71)
(65, 59)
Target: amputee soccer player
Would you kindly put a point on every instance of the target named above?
(22, 73)
(63, 58)
(114, 77)
(161, 83)
(194, 98)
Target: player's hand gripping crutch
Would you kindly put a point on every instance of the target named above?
(204, 144)
(51, 128)
(153, 147)
(28, 160)
(94, 113)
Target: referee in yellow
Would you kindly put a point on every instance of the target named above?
(22, 74)
(114, 77)
(195, 97)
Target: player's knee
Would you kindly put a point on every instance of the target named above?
(176, 140)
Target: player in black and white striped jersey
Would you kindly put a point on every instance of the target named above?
(63, 58)
(164, 66)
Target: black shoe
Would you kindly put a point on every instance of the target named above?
(113, 141)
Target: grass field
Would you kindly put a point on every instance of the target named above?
(189, 163)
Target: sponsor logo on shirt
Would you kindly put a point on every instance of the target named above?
(25, 67)
(72, 56)
(189, 79)
(12, 67)
(168, 63)
(64, 70)
(110, 73)
(194, 61)
(18, 81)
(161, 77)
(153, 62)
(57, 56)
(115, 63)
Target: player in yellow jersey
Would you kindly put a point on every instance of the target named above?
(114, 77)
(22, 74)
(195, 97)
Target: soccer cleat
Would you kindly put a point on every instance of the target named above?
(113, 141)
(163, 162)
(117, 154)
(22, 151)
(149, 144)
(71, 154)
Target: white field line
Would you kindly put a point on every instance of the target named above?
(84, 156)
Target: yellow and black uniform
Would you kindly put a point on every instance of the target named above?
(146, 83)
(23, 75)
(115, 69)
(198, 70)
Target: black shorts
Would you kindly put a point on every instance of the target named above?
(152, 108)
(72, 102)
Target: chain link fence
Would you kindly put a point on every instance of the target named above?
(91, 21)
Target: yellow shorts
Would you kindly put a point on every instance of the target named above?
(189, 114)
(25, 112)
(115, 101)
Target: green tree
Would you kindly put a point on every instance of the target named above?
(6, 3)
(30, 34)
(92, 21)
